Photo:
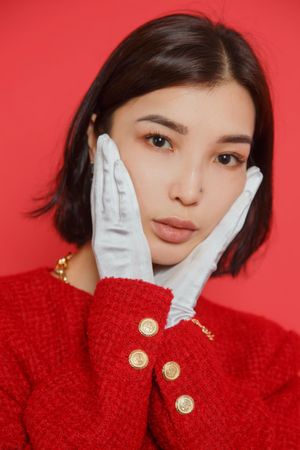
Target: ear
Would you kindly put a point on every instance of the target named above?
(92, 140)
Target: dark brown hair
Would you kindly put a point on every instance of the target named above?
(182, 48)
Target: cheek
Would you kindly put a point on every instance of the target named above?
(221, 194)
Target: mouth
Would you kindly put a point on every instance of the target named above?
(171, 234)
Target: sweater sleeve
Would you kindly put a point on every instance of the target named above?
(197, 405)
(98, 399)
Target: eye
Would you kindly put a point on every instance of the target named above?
(225, 158)
(158, 139)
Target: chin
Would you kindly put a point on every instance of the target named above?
(166, 254)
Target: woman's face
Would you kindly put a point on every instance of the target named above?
(192, 172)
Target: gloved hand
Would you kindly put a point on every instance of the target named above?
(119, 244)
(187, 278)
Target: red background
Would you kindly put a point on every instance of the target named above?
(50, 54)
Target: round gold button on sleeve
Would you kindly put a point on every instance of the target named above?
(185, 404)
(148, 327)
(138, 359)
(171, 370)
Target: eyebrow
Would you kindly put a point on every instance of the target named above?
(182, 129)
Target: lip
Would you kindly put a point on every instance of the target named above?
(178, 223)
(171, 234)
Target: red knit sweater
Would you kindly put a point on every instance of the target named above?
(66, 381)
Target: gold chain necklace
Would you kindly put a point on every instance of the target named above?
(61, 267)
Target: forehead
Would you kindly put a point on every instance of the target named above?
(226, 105)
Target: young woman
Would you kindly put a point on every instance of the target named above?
(115, 347)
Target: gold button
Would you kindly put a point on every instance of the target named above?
(185, 404)
(138, 359)
(148, 326)
(171, 370)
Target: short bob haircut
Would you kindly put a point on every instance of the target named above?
(181, 48)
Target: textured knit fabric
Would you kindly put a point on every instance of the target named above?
(66, 381)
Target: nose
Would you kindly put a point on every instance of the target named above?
(187, 185)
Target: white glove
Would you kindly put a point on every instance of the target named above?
(187, 278)
(119, 244)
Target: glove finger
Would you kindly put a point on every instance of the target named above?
(128, 203)
(92, 204)
(254, 179)
(110, 194)
(97, 184)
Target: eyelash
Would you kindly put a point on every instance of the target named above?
(240, 159)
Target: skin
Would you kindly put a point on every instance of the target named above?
(179, 175)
